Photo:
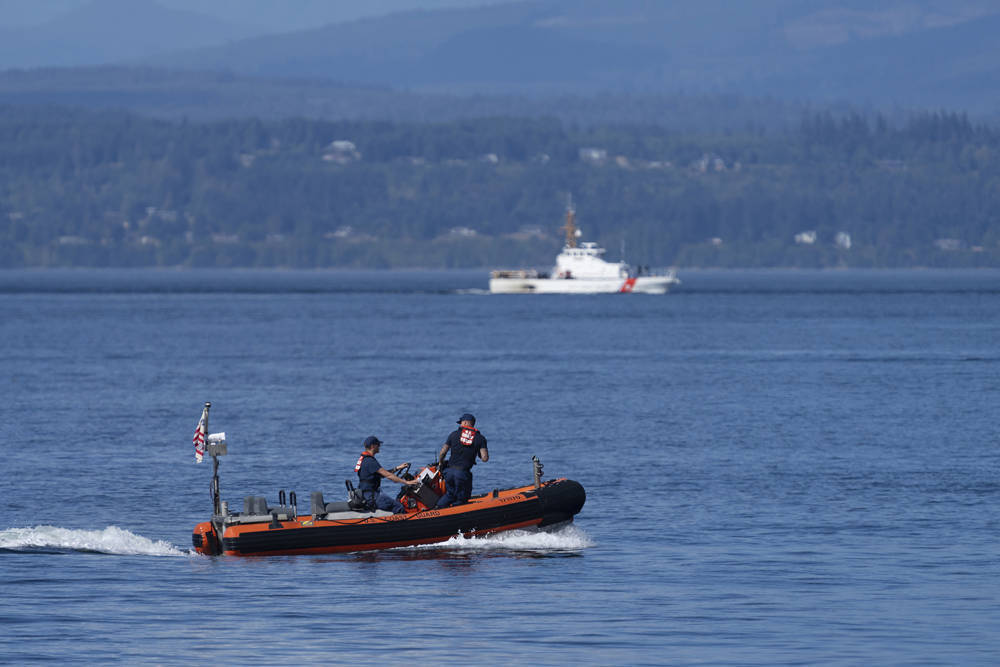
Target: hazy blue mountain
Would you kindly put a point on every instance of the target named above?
(267, 15)
(104, 31)
(302, 14)
(911, 52)
(14, 13)
(392, 50)
(906, 53)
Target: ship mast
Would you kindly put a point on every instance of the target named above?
(570, 225)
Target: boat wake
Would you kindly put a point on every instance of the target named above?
(563, 540)
(111, 540)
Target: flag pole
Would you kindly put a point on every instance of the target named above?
(216, 508)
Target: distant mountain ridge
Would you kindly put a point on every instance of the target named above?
(909, 52)
(283, 16)
(105, 31)
(898, 53)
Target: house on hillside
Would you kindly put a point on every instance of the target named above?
(596, 156)
(948, 244)
(341, 151)
(708, 162)
(806, 238)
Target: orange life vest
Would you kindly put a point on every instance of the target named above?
(357, 466)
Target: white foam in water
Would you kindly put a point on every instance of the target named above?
(111, 540)
(569, 538)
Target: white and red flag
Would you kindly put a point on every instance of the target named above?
(199, 437)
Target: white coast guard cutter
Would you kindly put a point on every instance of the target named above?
(580, 269)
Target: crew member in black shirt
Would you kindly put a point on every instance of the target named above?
(370, 474)
(465, 444)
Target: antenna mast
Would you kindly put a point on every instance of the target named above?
(570, 225)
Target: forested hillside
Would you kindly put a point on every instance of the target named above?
(80, 188)
(206, 96)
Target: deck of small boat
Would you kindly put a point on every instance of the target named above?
(270, 522)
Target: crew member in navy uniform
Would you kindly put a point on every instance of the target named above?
(370, 474)
(465, 444)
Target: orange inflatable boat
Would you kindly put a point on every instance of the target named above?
(265, 530)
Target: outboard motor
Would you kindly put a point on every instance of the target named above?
(205, 540)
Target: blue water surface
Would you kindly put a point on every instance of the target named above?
(781, 467)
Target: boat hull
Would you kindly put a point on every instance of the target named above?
(640, 285)
(554, 502)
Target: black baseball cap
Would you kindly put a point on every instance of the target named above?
(466, 418)
(372, 440)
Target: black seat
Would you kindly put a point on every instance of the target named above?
(318, 506)
(255, 505)
(342, 506)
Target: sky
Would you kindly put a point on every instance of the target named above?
(270, 15)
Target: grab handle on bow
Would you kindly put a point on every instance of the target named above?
(537, 467)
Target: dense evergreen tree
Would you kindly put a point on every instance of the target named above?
(80, 188)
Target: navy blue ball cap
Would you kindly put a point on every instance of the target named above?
(467, 418)
(372, 440)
